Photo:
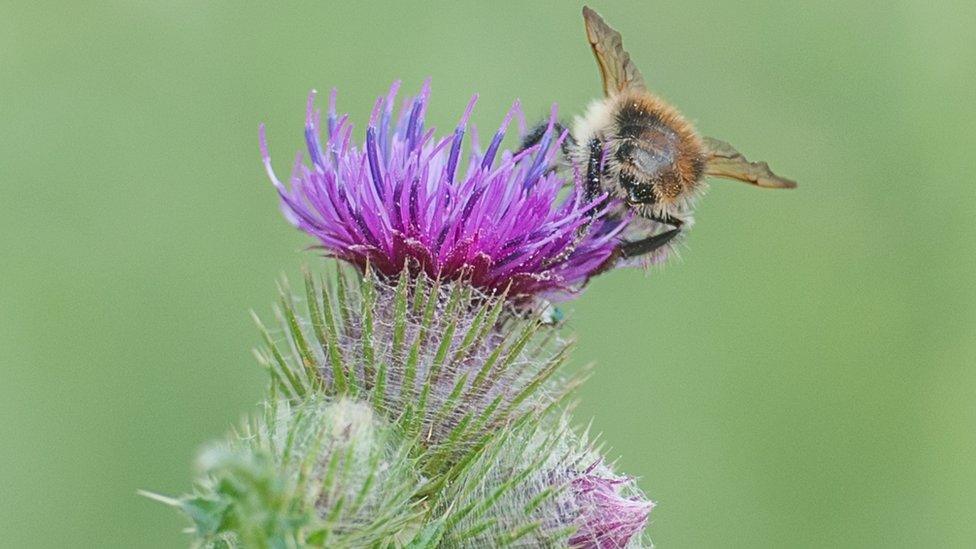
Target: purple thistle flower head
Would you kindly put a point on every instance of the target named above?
(610, 518)
(403, 200)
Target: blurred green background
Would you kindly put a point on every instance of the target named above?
(803, 377)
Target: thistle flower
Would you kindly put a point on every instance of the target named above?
(439, 357)
(316, 474)
(404, 200)
(414, 405)
(543, 485)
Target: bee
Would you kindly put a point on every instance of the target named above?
(636, 147)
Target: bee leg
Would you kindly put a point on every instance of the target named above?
(627, 250)
(668, 220)
(652, 243)
(641, 247)
(591, 190)
(535, 135)
(646, 245)
(594, 169)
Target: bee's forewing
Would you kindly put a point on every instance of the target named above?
(617, 70)
(722, 160)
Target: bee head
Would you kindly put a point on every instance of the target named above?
(657, 154)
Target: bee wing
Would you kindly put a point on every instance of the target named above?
(617, 70)
(722, 160)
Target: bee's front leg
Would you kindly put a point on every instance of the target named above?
(591, 190)
(535, 135)
(594, 171)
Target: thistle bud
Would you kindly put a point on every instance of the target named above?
(317, 474)
(543, 486)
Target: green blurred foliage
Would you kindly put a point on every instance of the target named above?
(803, 377)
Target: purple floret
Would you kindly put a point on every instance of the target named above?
(504, 222)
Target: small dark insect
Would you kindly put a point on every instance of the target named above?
(636, 147)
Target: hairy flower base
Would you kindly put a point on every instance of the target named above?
(450, 364)
(503, 223)
(411, 412)
(544, 486)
